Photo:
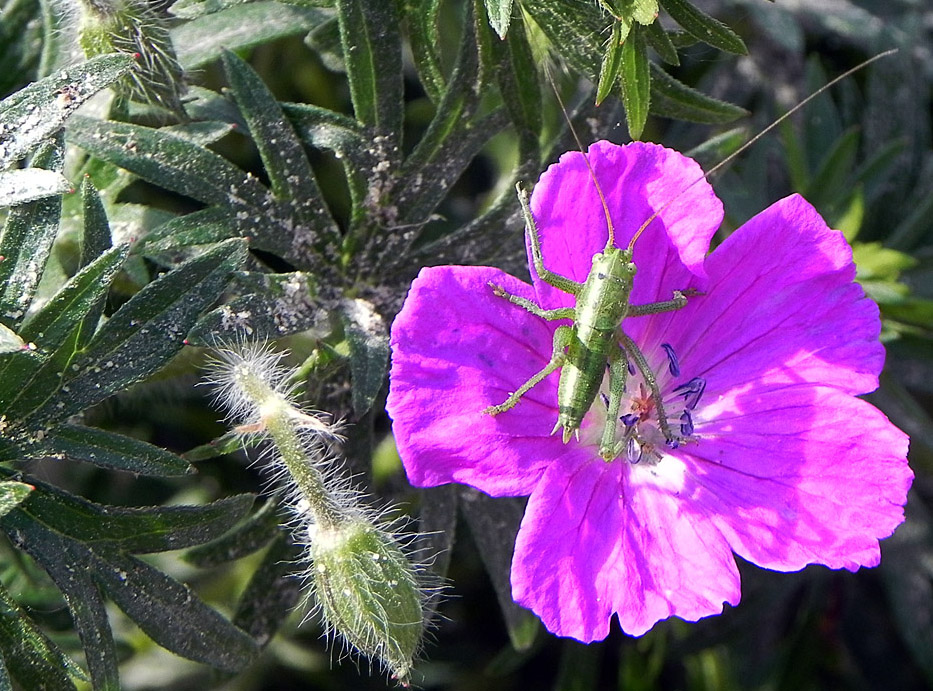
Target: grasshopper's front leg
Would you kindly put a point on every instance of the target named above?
(537, 310)
(675, 303)
(562, 338)
(554, 280)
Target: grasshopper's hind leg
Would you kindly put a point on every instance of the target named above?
(651, 382)
(618, 371)
(562, 338)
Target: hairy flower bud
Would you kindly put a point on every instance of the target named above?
(137, 27)
(367, 589)
(368, 593)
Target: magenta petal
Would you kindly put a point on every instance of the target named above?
(637, 180)
(456, 349)
(801, 475)
(600, 538)
(781, 307)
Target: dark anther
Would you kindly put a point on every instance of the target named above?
(686, 423)
(672, 363)
(692, 391)
(631, 368)
(629, 419)
(632, 450)
(605, 399)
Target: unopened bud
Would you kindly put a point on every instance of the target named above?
(368, 593)
(139, 28)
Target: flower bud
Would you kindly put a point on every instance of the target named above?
(136, 27)
(368, 593)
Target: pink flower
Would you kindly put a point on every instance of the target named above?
(780, 463)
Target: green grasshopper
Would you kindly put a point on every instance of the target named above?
(596, 338)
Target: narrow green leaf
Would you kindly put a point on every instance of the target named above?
(29, 184)
(282, 305)
(26, 243)
(500, 15)
(831, 185)
(95, 241)
(704, 27)
(369, 351)
(273, 592)
(88, 611)
(575, 28)
(11, 494)
(115, 451)
(636, 82)
(38, 111)
(202, 40)
(135, 530)
(283, 156)
(167, 611)
(611, 68)
(493, 524)
(795, 157)
(182, 166)
(372, 48)
(453, 138)
(96, 238)
(16, 368)
(31, 658)
(422, 18)
(661, 42)
(171, 614)
(244, 539)
(55, 320)
(168, 160)
(205, 227)
(144, 333)
(518, 82)
(10, 341)
(673, 99)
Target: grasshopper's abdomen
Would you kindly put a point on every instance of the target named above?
(601, 306)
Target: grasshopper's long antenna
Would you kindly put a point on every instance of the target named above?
(758, 136)
(586, 159)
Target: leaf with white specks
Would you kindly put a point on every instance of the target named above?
(37, 111)
(239, 205)
(11, 494)
(30, 656)
(265, 307)
(26, 242)
(85, 549)
(286, 164)
(112, 450)
(144, 334)
(368, 337)
(202, 40)
(29, 184)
